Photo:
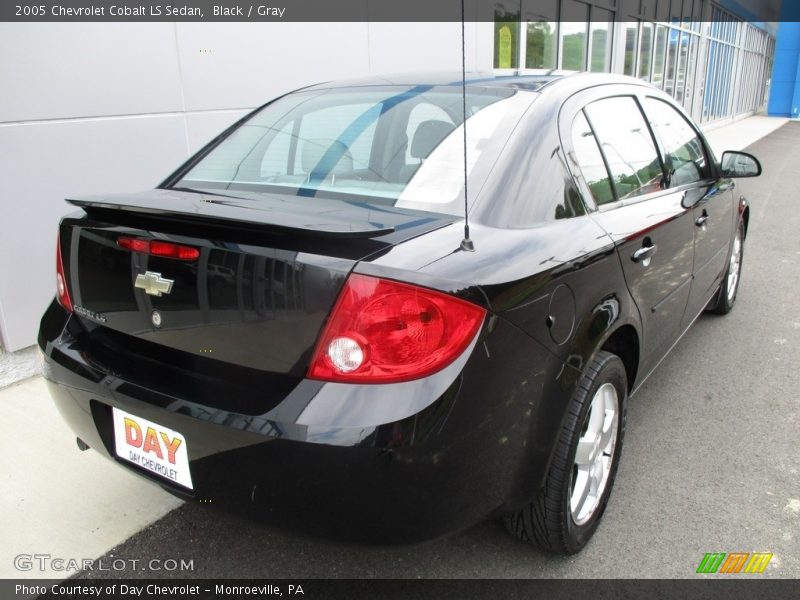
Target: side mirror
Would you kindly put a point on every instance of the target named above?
(740, 164)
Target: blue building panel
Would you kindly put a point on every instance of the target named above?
(784, 98)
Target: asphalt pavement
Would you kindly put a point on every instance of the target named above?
(710, 462)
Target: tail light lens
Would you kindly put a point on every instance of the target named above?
(383, 331)
(158, 248)
(62, 291)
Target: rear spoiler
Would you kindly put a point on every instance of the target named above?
(317, 218)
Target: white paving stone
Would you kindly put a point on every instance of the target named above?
(56, 499)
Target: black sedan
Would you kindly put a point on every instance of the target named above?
(297, 325)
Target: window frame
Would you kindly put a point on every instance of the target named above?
(662, 150)
(558, 13)
(617, 202)
(580, 100)
(637, 101)
(582, 177)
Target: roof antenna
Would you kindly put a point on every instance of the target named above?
(466, 243)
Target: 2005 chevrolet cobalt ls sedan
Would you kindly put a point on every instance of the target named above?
(291, 325)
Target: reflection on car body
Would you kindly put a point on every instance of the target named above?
(329, 357)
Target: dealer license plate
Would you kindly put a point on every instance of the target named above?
(153, 447)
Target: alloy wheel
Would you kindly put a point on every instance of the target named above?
(594, 454)
(735, 266)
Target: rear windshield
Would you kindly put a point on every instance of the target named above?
(395, 145)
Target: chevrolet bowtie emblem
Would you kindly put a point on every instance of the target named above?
(153, 284)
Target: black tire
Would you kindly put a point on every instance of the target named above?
(722, 302)
(547, 521)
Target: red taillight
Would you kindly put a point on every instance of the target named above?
(383, 331)
(62, 291)
(158, 248)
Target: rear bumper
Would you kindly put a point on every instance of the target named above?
(326, 461)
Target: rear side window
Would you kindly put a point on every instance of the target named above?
(683, 151)
(590, 161)
(627, 145)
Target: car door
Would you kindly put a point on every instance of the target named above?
(689, 167)
(652, 228)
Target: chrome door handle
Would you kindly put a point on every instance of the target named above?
(701, 221)
(644, 253)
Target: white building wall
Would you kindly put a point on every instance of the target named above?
(115, 107)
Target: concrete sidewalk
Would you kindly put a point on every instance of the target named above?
(57, 500)
(740, 134)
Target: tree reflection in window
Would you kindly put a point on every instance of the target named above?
(590, 161)
(627, 145)
(684, 154)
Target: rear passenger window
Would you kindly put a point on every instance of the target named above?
(683, 150)
(628, 146)
(590, 161)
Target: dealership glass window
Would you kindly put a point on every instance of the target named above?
(631, 36)
(646, 51)
(756, 60)
(720, 69)
(506, 40)
(540, 45)
(627, 146)
(600, 29)
(573, 34)
(573, 46)
(680, 75)
(730, 75)
(688, 99)
(683, 151)
(659, 56)
(752, 60)
(726, 73)
(589, 161)
(672, 61)
(710, 79)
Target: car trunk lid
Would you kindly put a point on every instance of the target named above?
(267, 273)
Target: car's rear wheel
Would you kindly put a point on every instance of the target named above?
(564, 515)
(722, 302)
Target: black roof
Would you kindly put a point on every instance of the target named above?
(528, 80)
